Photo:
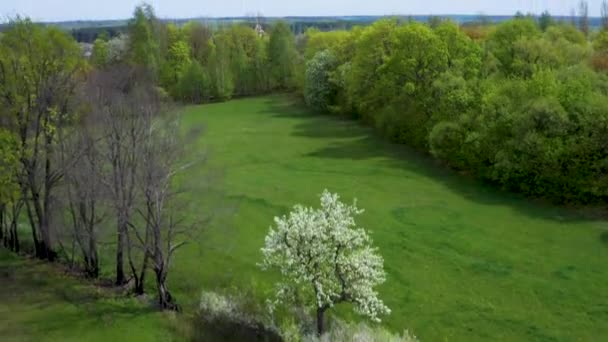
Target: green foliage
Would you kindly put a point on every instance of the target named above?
(193, 85)
(446, 140)
(100, 56)
(176, 62)
(502, 42)
(281, 56)
(545, 21)
(222, 79)
(464, 55)
(373, 48)
(512, 109)
(9, 167)
(319, 90)
(144, 42)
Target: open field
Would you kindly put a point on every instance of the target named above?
(464, 261)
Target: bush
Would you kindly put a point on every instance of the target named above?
(228, 318)
(343, 332)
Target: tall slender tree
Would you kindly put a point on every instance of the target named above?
(604, 14)
(38, 70)
(281, 55)
(583, 17)
(144, 44)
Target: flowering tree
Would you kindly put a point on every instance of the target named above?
(325, 259)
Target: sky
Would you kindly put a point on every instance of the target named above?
(60, 10)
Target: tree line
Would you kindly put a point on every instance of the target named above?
(195, 63)
(88, 158)
(522, 104)
(90, 147)
(519, 104)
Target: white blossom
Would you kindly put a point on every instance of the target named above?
(325, 259)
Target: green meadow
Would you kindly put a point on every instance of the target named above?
(465, 261)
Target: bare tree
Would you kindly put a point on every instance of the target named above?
(583, 13)
(9, 216)
(164, 231)
(84, 190)
(118, 96)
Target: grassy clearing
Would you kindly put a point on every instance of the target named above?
(40, 303)
(464, 261)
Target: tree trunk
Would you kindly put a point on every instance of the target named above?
(93, 258)
(47, 252)
(165, 300)
(120, 273)
(14, 237)
(320, 321)
(33, 225)
(2, 225)
(140, 280)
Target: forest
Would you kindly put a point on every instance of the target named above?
(518, 104)
(101, 156)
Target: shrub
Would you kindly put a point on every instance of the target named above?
(343, 332)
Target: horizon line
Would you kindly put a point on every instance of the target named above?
(300, 16)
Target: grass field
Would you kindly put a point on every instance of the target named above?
(38, 302)
(465, 261)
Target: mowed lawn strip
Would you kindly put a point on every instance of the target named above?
(465, 261)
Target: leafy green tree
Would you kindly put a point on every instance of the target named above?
(406, 79)
(38, 70)
(454, 96)
(9, 189)
(545, 21)
(178, 59)
(243, 50)
(373, 48)
(445, 142)
(338, 42)
(222, 80)
(281, 56)
(193, 85)
(319, 90)
(501, 43)
(199, 37)
(464, 55)
(566, 32)
(100, 56)
(144, 44)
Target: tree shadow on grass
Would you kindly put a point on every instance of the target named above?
(604, 237)
(354, 141)
(47, 301)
